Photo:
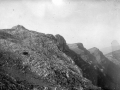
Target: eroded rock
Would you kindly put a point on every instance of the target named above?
(33, 61)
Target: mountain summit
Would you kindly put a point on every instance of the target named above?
(115, 45)
(18, 27)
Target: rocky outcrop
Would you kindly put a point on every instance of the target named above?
(61, 43)
(34, 61)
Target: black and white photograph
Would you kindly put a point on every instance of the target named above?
(59, 44)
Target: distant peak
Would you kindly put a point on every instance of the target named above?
(115, 45)
(80, 45)
(115, 42)
(18, 27)
(94, 49)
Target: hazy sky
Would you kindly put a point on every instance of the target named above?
(95, 23)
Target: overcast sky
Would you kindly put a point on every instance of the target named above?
(95, 23)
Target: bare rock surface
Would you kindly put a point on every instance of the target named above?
(83, 52)
(95, 66)
(33, 61)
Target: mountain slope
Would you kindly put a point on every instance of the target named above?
(97, 54)
(83, 52)
(110, 69)
(95, 66)
(33, 61)
(89, 70)
(114, 57)
(86, 55)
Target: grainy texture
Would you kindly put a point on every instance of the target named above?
(33, 61)
(95, 66)
(111, 69)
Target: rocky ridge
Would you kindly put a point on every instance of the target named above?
(95, 66)
(35, 61)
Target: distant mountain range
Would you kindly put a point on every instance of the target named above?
(97, 65)
(114, 46)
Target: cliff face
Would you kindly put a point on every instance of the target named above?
(97, 54)
(35, 61)
(95, 66)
